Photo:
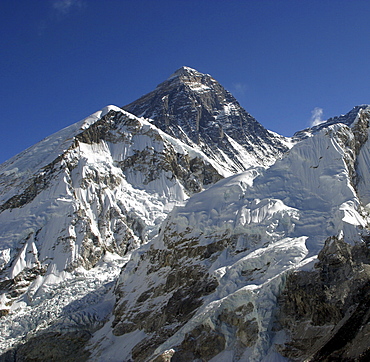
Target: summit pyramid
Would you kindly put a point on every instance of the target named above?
(199, 111)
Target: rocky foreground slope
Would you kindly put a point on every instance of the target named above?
(189, 234)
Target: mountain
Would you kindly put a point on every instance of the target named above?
(196, 109)
(179, 229)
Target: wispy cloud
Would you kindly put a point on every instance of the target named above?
(316, 116)
(63, 7)
(58, 10)
(239, 89)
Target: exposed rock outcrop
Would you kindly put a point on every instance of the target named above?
(178, 297)
(327, 311)
(53, 346)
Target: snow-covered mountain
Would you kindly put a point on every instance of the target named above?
(187, 232)
(88, 194)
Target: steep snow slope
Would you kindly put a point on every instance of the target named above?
(207, 287)
(196, 109)
(80, 200)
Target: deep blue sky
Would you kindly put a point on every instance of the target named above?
(62, 60)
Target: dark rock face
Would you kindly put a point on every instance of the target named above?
(52, 346)
(192, 172)
(184, 288)
(185, 282)
(175, 285)
(168, 286)
(202, 343)
(196, 109)
(327, 311)
(38, 183)
(140, 156)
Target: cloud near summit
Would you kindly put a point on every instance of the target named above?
(316, 116)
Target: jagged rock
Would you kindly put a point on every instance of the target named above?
(180, 305)
(202, 343)
(38, 183)
(204, 282)
(246, 329)
(4, 312)
(116, 227)
(104, 189)
(165, 356)
(250, 232)
(327, 310)
(58, 347)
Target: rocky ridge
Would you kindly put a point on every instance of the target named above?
(326, 310)
(79, 202)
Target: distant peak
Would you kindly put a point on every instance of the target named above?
(185, 71)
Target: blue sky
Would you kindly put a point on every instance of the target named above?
(284, 60)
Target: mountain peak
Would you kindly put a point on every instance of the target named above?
(196, 109)
(185, 71)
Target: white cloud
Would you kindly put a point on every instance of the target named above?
(316, 116)
(65, 6)
(58, 10)
(239, 89)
